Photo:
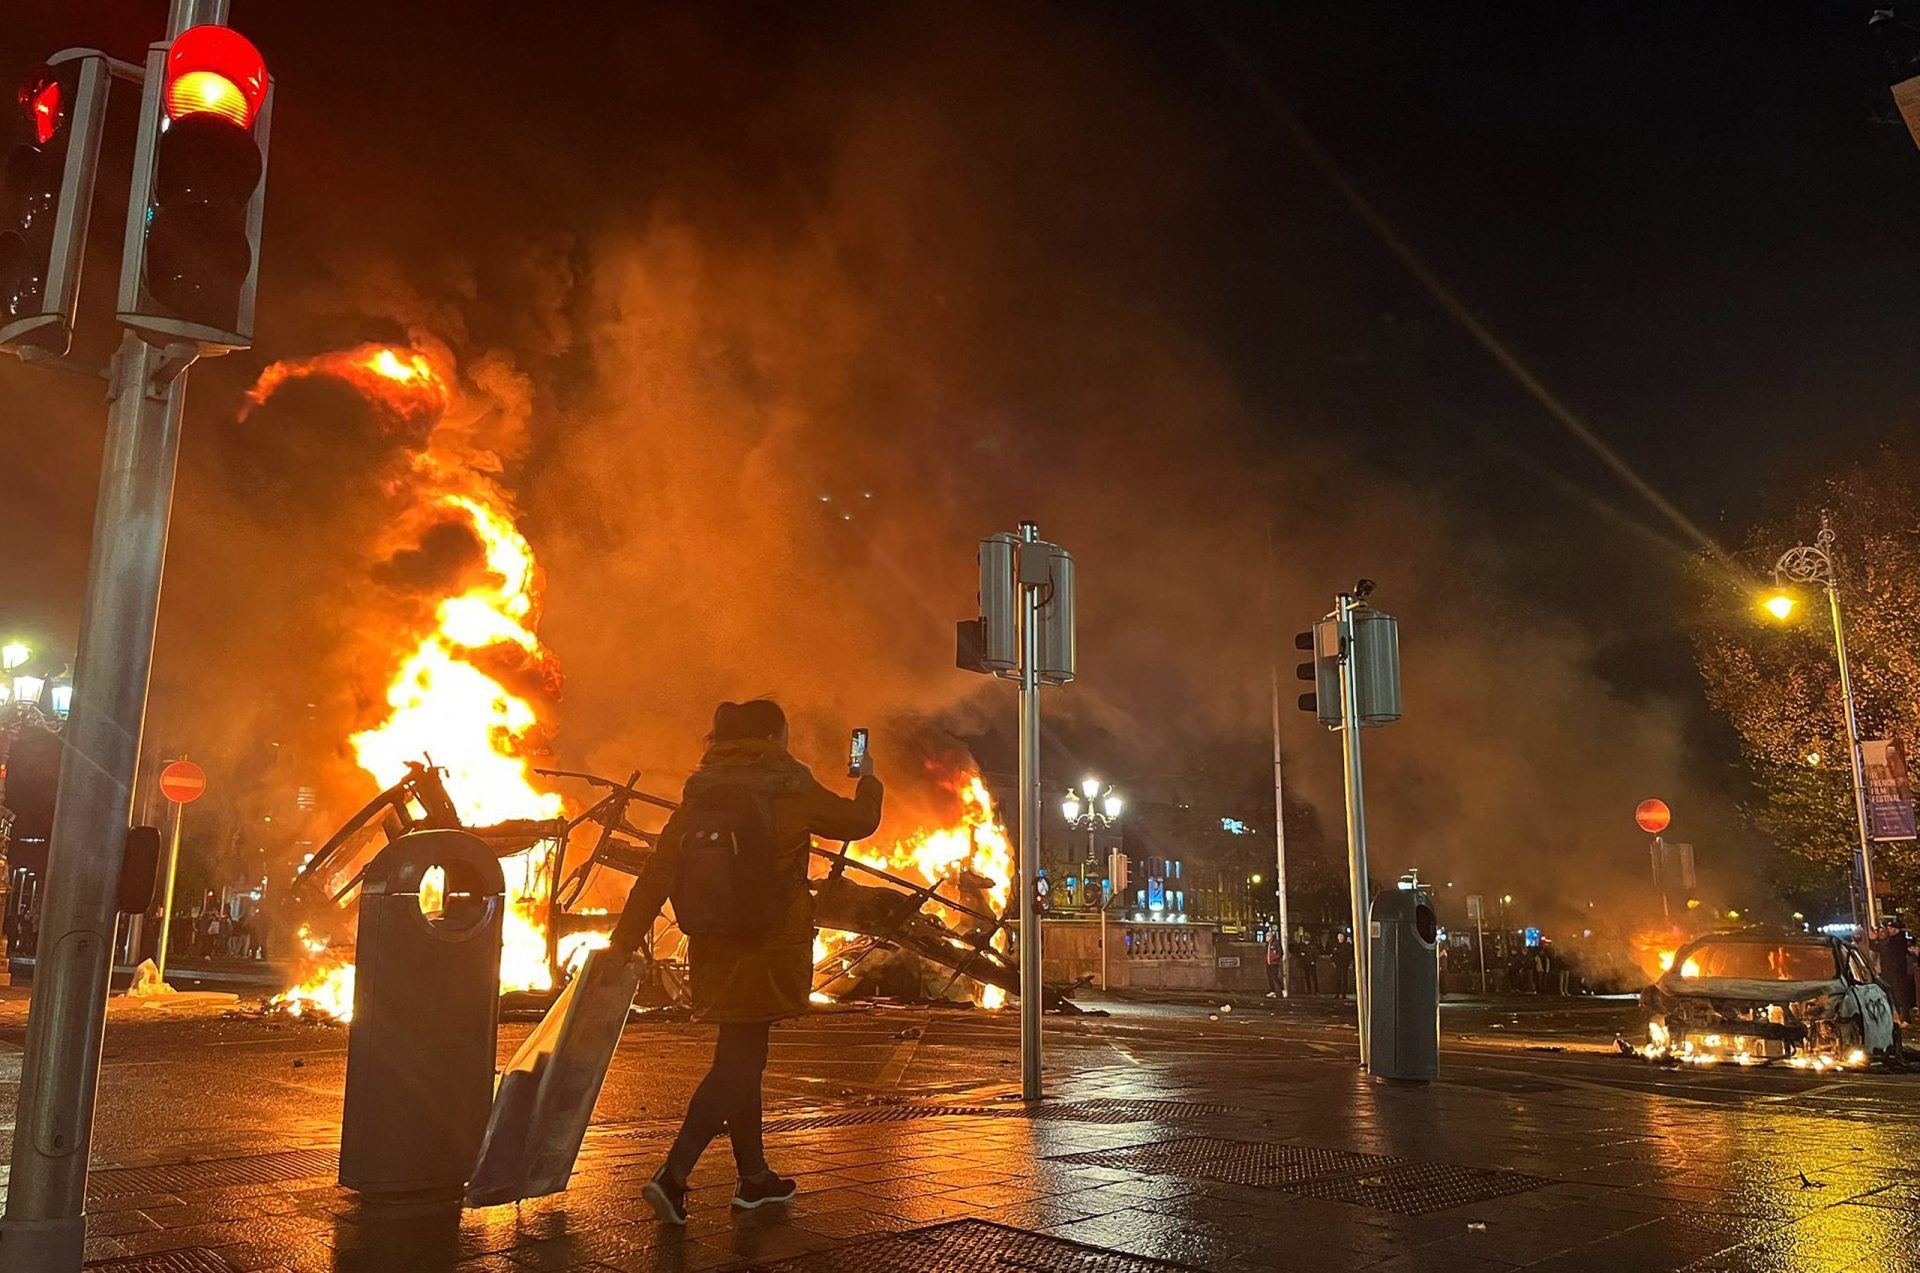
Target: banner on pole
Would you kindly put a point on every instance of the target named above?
(1889, 790)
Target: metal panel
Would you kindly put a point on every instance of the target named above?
(969, 1246)
(191, 1259)
(217, 1173)
(1417, 1188)
(1262, 1165)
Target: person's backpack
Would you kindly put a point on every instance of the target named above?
(724, 883)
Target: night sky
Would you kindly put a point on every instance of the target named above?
(1693, 224)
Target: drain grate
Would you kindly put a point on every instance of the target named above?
(1236, 1162)
(969, 1246)
(216, 1173)
(884, 1114)
(193, 1259)
(1117, 1111)
(1416, 1188)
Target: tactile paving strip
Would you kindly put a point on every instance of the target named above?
(193, 1259)
(969, 1246)
(1236, 1162)
(1417, 1188)
(215, 1173)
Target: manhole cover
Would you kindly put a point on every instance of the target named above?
(969, 1246)
(217, 1173)
(1236, 1162)
(193, 1259)
(1416, 1188)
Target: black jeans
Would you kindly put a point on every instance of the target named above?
(728, 1099)
(1273, 978)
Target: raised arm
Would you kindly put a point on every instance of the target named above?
(834, 817)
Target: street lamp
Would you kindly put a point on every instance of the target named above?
(1090, 809)
(29, 697)
(1813, 563)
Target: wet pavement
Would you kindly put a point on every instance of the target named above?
(1175, 1135)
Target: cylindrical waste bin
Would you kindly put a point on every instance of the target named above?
(1403, 1014)
(426, 1005)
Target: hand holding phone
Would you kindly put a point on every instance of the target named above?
(858, 766)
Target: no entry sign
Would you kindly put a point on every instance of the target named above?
(183, 782)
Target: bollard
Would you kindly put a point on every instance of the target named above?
(1404, 1013)
(426, 1003)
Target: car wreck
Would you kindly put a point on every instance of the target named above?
(1759, 998)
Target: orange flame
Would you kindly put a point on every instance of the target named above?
(406, 381)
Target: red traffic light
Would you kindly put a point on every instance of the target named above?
(214, 70)
(41, 98)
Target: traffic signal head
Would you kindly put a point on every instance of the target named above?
(192, 260)
(45, 199)
(1323, 640)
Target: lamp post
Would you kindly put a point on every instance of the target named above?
(1813, 563)
(28, 696)
(1094, 806)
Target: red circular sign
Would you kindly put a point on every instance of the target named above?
(183, 782)
(1653, 816)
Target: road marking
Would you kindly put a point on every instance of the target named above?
(897, 1063)
(1128, 1056)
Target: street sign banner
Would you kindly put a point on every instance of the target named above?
(183, 782)
(1889, 789)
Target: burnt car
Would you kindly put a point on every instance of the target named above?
(1752, 998)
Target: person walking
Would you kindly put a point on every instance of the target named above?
(750, 940)
(1274, 940)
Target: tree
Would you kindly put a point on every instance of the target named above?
(1779, 685)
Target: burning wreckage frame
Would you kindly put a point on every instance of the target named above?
(893, 914)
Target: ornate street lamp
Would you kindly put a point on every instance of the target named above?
(1813, 563)
(1090, 808)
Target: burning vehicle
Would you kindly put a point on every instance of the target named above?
(1758, 998)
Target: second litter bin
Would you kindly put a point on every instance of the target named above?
(426, 1007)
(1404, 1006)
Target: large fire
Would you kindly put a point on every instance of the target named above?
(975, 844)
(446, 702)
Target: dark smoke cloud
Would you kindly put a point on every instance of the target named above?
(759, 403)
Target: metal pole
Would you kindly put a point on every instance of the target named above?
(1859, 776)
(1356, 824)
(166, 891)
(45, 1224)
(1480, 941)
(45, 1227)
(1280, 848)
(1030, 988)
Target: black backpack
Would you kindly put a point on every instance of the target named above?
(724, 884)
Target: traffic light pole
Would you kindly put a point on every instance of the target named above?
(44, 1229)
(1031, 991)
(1356, 825)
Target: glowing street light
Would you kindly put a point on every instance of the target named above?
(13, 655)
(1780, 605)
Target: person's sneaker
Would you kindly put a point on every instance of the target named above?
(668, 1200)
(763, 1189)
(1273, 994)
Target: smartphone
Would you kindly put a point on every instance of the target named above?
(857, 754)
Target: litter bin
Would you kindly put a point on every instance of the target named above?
(426, 1004)
(1404, 1007)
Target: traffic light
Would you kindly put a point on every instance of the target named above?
(192, 260)
(45, 199)
(1323, 639)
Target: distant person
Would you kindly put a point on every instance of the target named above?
(1307, 960)
(1274, 960)
(1897, 972)
(1342, 964)
(750, 790)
